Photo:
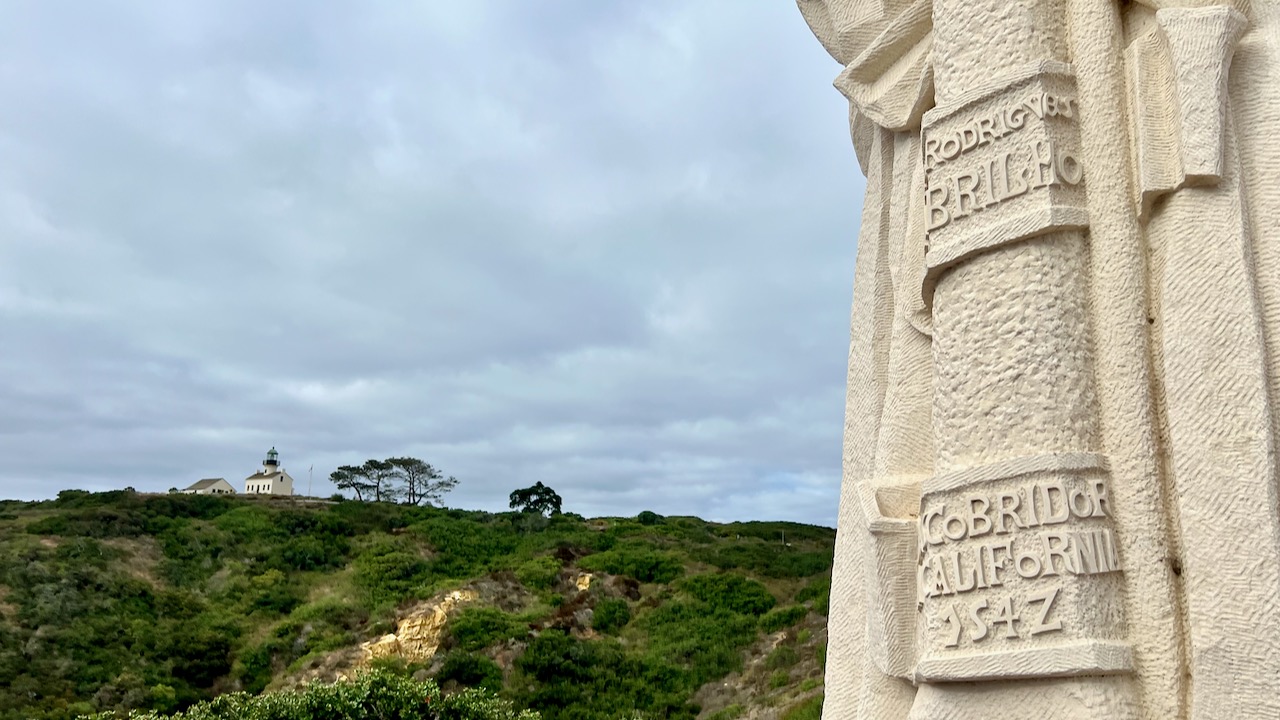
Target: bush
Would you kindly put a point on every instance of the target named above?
(309, 552)
(769, 559)
(273, 593)
(478, 628)
(648, 517)
(776, 620)
(376, 694)
(819, 591)
(388, 575)
(465, 546)
(471, 671)
(695, 636)
(731, 592)
(99, 522)
(370, 517)
(539, 573)
(201, 653)
(569, 679)
(610, 615)
(777, 532)
(333, 612)
(643, 564)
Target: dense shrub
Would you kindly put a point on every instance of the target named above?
(201, 653)
(93, 522)
(775, 620)
(648, 517)
(471, 670)
(313, 552)
(388, 575)
(732, 592)
(818, 591)
(334, 612)
(570, 679)
(539, 573)
(192, 552)
(367, 517)
(610, 615)
(643, 564)
(768, 559)
(479, 627)
(703, 640)
(372, 695)
(779, 532)
(465, 547)
(272, 592)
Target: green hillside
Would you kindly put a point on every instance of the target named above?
(119, 601)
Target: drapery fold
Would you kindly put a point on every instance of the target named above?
(1192, 429)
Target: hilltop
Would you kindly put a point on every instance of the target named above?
(120, 600)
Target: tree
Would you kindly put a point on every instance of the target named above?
(380, 474)
(422, 481)
(538, 499)
(351, 477)
(394, 478)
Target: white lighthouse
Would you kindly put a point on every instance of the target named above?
(271, 479)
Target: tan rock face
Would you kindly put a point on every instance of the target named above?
(418, 634)
(583, 582)
(1060, 481)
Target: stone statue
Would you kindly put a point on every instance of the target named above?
(1061, 497)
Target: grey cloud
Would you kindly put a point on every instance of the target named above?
(605, 247)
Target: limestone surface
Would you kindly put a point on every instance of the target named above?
(1060, 497)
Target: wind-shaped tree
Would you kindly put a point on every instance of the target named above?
(422, 481)
(538, 499)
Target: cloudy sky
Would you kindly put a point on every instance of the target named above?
(607, 246)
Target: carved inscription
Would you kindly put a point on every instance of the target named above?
(983, 621)
(943, 146)
(1008, 176)
(997, 159)
(1041, 554)
(993, 562)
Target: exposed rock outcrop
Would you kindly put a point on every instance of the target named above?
(420, 632)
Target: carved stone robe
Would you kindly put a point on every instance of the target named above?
(1060, 494)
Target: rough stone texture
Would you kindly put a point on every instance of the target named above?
(418, 634)
(1060, 491)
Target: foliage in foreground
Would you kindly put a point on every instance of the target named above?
(377, 694)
